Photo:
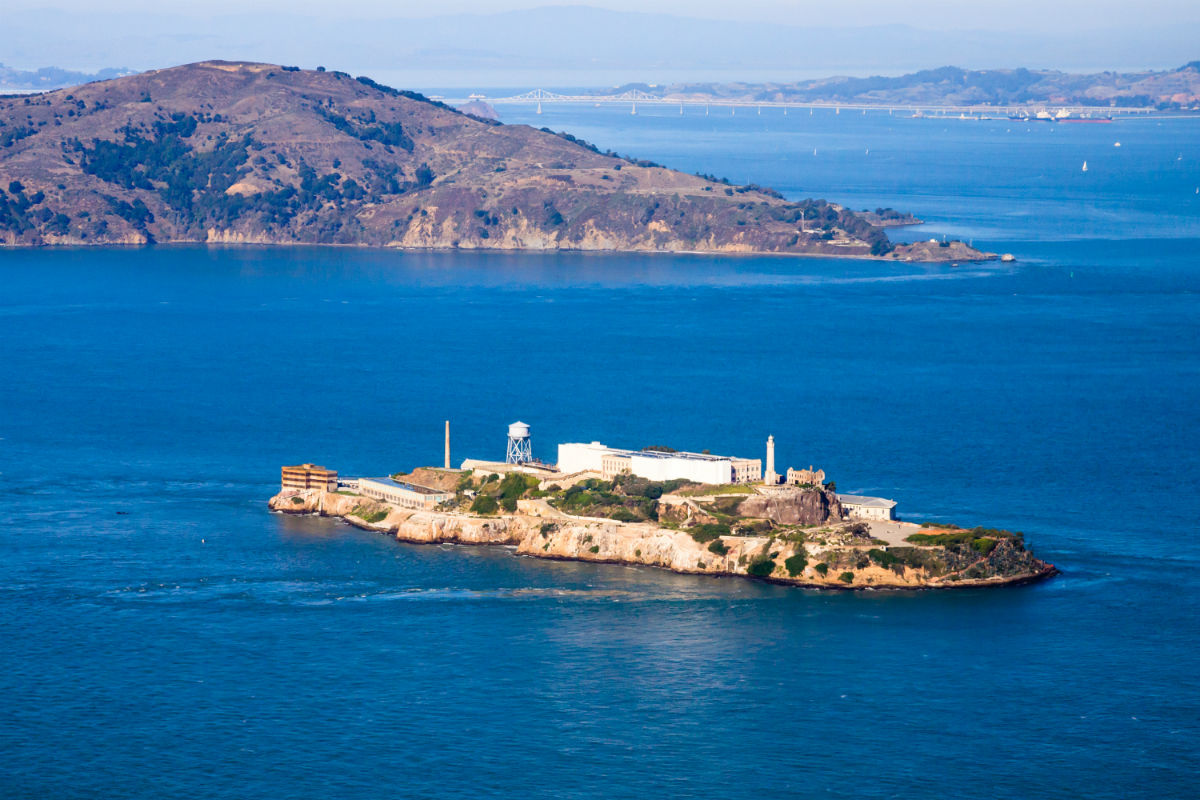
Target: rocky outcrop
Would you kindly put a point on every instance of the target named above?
(538, 530)
(788, 506)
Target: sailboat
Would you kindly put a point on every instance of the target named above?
(1085, 166)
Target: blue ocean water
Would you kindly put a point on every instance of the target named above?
(164, 635)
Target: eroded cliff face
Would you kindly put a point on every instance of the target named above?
(540, 531)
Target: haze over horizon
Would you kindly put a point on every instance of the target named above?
(488, 44)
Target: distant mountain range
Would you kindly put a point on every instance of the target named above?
(951, 86)
(53, 77)
(564, 45)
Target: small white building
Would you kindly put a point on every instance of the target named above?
(861, 507)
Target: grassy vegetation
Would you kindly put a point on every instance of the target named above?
(709, 531)
(485, 504)
(298, 500)
(822, 568)
(795, 564)
(366, 514)
(625, 498)
(984, 545)
(846, 577)
(728, 488)
(882, 557)
(956, 535)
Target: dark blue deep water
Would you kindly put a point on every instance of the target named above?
(163, 635)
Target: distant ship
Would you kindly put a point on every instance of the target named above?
(1085, 166)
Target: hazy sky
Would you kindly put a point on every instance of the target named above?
(1026, 15)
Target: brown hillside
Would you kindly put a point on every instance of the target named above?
(240, 152)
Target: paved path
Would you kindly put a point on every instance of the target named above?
(893, 532)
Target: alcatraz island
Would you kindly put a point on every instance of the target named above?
(243, 153)
(687, 512)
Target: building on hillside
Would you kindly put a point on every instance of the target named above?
(405, 495)
(656, 465)
(308, 476)
(806, 477)
(746, 470)
(859, 507)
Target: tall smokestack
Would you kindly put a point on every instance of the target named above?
(447, 444)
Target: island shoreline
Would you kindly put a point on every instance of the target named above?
(426, 527)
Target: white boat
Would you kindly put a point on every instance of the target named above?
(1085, 166)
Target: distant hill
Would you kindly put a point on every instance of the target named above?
(951, 86)
(241, 152)
(52, 77)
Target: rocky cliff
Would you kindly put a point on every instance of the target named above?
(255, 153)
(538, 530)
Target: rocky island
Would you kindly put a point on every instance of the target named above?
(227, 152)
(803, 534)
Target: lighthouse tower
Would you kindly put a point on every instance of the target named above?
(770, 477)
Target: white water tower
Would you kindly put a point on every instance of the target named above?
(520, 445)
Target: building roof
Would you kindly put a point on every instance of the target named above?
(868, 502)
(412, 487)
(684, 454)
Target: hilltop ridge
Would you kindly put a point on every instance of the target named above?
(257, 153)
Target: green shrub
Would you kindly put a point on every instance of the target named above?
(297, 500)
(484, 504)
(623, 514)
(594, 548)
(509, 504)
(760, 567)
(718, 547)
(795, 564)
(549, 527)
(985, 545)
(708, 531)
(940, 539)
(822, 568)
(846, 577)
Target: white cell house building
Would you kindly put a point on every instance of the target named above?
(655, 465)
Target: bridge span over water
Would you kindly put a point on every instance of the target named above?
(636, 96)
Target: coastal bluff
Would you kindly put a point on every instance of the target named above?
(828, 554)
(225, 153)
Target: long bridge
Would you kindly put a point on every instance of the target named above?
(635, 96)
